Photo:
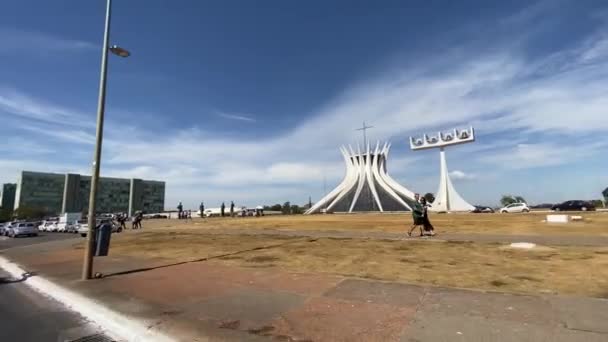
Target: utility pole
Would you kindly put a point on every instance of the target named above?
(87, 267)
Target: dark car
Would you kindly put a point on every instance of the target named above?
(574, 206)
(482, 209)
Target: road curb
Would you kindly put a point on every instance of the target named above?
(114, 324)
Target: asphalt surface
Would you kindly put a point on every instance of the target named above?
(6, 242)
(26, 315)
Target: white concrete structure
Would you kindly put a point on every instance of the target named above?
(446, 199)
(366, 185)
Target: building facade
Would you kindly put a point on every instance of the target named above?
(7, 197)
(366, 187)
(61, 193)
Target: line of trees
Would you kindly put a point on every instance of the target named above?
(23, 213)
(286, 208)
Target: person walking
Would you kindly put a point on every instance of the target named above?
(121, 218)
(135, 224)
(140, 217)
(417, 215)
(428, 227)
(223, 209)
(231, 209)
(201, 208)
(180, 209)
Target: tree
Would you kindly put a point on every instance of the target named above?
(597, 203)
(507, 199)
(429, 197)
(295, 209)
(510, 199)
(5, 215)
(286, 209)
(605, 194)
(30, 213)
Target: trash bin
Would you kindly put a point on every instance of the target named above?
(102, 239)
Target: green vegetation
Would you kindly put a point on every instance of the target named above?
(510, 199)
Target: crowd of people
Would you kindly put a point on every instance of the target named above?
(121, 219)
(184, 214)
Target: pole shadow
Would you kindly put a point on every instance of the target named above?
(144, 269)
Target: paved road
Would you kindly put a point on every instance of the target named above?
(6, 242)
(26, 315)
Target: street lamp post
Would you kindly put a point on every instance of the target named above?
(87, 267)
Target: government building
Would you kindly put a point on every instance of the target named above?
(61, 193)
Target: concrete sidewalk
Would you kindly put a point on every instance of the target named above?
(207, 301)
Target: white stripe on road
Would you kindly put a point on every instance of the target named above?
(114, 324)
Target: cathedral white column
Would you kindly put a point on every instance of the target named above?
(447, 199)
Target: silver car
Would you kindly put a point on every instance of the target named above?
(83, 226)
(23, 229)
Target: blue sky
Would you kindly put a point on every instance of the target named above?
(250, 101)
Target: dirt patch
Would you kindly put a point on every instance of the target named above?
(263, 258)
(498, 283)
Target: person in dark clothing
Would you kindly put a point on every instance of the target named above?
(121, 218)
(180, 209)
(231, 209)
(137, 218)
(417, 215)
(201, 208)
(140, 217)
(223, 209)
(428, 227)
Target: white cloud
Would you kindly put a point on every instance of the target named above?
(18, 104)
(460, 175)
(524, 156)
(66, 134)
(19, 42)
(236, 116)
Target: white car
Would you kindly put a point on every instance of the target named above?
(515, 208)
(23, 229)
(48, 226)
(66, 227)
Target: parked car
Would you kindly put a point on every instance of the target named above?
(515, 208)
(48, 226)
(7, 227)
(66, 227)
(576, 205)
(482, 209)
(23, 229)
(542, 206)
(2, 225)
(83, 227)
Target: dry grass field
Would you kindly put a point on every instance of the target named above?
(574, 270)
(563, 270)
(594, 224)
